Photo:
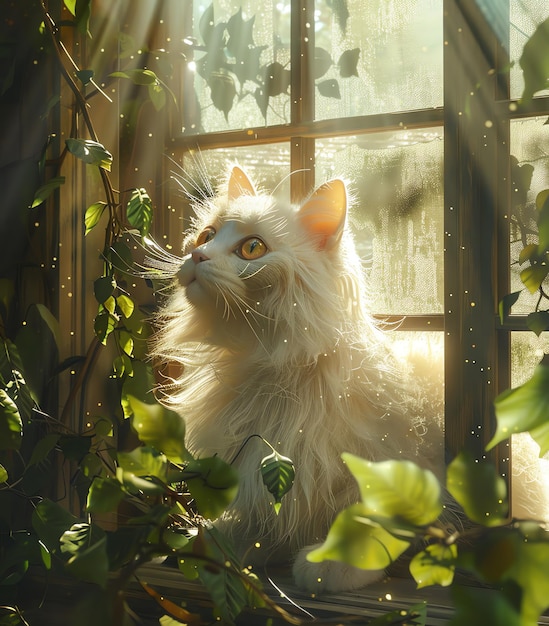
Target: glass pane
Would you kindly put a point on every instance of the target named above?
(268, 165)
(238, 64)
(525, 17)
(397, 215)
(530, 481)
(530, 175)
(400, 61)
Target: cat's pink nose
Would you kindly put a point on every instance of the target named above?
(198, 256)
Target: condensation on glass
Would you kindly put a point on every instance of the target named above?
(530, 480)
(397, 217)
(399, 68)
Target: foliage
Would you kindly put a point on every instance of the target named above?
(162, 497)
(232, 64)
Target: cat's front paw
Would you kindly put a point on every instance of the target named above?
(330, 576)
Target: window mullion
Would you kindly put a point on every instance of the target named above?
(302, 150)
(470, 182)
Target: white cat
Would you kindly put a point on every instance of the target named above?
(268, 319)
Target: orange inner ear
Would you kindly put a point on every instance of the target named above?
(323, 215)
(239, 184)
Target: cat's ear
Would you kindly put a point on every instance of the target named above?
(240, 184)
(323, 215)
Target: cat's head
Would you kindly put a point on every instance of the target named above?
(259, 271)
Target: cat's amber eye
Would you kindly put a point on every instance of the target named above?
(252, 248)
(206, 235)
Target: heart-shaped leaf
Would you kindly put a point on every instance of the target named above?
(213, 485)
(356, 540)
(90, 152)
(400, 490)
(277, 473)
(434, 566)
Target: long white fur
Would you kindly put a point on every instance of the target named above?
(284, 347)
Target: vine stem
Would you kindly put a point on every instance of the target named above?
(245, 442)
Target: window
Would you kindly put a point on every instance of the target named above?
(416, 102)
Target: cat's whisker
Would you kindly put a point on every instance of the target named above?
(248, 276)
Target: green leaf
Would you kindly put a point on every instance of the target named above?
(44, 192)
(222, 91)
(126, 305)
(278, 474)
(93, 215)
(50, 521)
(528, 253)
(479, 489)
(329, 88)
(3, 474)
(525, 408)
(140, 386)
(533, 276)
(11, 426)
(516, 560)
(85, 76)
(472, 607)
(227, 591)
(144, 461)
(104, 495)
(90, 152)
(505, 305)
(543, 223)
(357, 540)
(82, 10)
(38, 348)
(103, 325)
(75, 447)
(241, 40)
(125, 341)
(348, 63)
(206, 23)
(538, 321)
(434, 566)
(400, 490)
(43, 448)
(322, 63)
(157, 94)
(139, 211)
(138, 76)
(121, 365)
(212, 483)
(87, 546)
(160, 428)
(103, 288)
(138, 485)
(542, 199)
(534, 62)
(71, 6)
(277, 79)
